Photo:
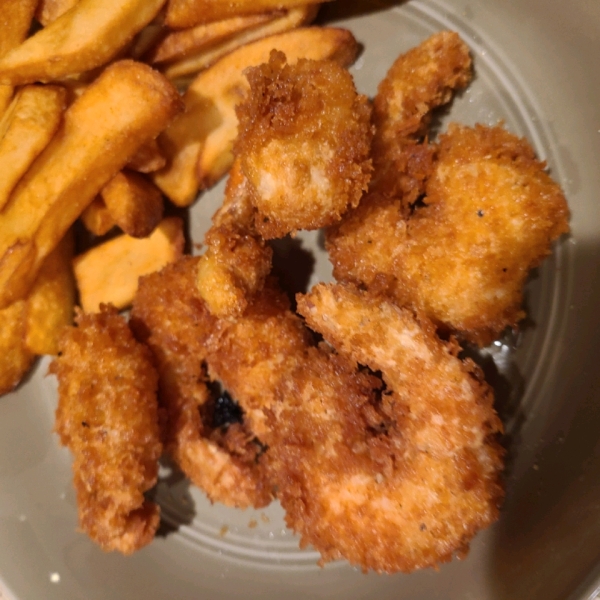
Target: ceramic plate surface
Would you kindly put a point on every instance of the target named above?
(537, 69)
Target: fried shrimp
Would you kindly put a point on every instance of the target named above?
(221, 458)
(390, 482)
(419, 489)
(490, 214)
(107, 415)
(418, 82)
(304, 143)
(488, 211)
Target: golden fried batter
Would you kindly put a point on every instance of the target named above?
(108, 417)
(233, 268)
(418, 82)
(172, 319)
(304, 142)
(391, 483)
(491, 214)
(418, 491)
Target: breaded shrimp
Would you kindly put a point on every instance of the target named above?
(491, 214)
(303, 143)
(418, 82)
(419, 490)
(390, 483)
(108, 417)
(233, 268)
(169, 315)
(364, 246)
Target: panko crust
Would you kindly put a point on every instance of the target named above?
(419, 81)
(233, 268)
(491, 215)
(303, 143)
(170, 316)
(431, 477)
(107, 416)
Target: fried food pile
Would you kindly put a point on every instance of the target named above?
(351, 404)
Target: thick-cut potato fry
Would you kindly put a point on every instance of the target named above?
(148, 158)
(182, 43)
(25, 130)
(51, 301)
(109, 273)
(15, 359)
(204, 57)
(135, 204)
(15, 21)
(81, 39)
(127, 105)
(49, 10)
(198, 144)
(96, 218)
(188, 13)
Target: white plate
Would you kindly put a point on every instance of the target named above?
(536, 69)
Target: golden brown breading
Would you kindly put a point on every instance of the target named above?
(390, 484)
(232, 269)
(304, 142)
(418, 82)
(253, 353)
(418, 491)
(491, 214)
(172, 319)
(108, 417)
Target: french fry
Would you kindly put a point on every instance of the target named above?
(134, 203)
(96, 217)
(198, 143)
(148, 158)
(15, 358)
(182, 14)
(51, 300)
(81, 39)
(204, 57)
(109, 273)
(128, 104)
(25, 130)
(49, 10)
(182, 43)
(15, 22)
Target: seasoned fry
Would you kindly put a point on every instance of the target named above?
(25, 130)
(198, 144)
(109, 273)
(107, 416)
(182, 14)
(179, 44)
(148, 158)
(81, 39)
(15, 358)
(96, 218)
(51, 301)
(49, 10)
(135, 204)
(14, 26)
(127, 105)
(279, 23)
